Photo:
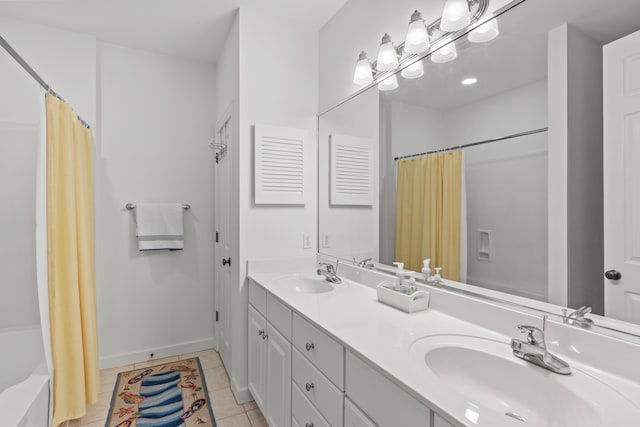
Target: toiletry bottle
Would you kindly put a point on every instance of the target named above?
(426, 270)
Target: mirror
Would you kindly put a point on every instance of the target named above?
(499, 103)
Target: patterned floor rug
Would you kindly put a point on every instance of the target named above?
(168, 395)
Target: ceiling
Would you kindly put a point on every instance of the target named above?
(191, 29)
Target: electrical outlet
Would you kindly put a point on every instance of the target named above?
(326, 243)
(306, 241)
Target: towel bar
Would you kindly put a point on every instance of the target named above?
(131, 206)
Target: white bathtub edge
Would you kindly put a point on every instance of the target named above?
(16, 401)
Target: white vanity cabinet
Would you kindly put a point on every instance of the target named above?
(269, 358)
(318, 376)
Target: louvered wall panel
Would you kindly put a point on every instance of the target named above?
(279, 165)
(351, 170)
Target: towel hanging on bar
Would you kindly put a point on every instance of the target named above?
(159, 226)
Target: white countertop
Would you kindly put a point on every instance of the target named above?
(383, 335)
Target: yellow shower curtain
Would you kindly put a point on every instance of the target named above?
(72, 295)
(428, 212)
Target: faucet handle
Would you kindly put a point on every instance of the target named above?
(329, 267)
(534, 335)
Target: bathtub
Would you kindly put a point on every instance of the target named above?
(24, 380)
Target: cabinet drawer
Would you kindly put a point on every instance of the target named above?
(324, 352)
(258, 297)
(303, 413)
(279, 316)
(383, 401)
(353, 417)
(317, 388)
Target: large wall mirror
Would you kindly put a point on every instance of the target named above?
(518, 120)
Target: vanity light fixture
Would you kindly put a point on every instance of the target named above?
(363, 75)
(485, 32)
(390, 83)
(387, 55)
(455, 16)
(445, 54)
(417, 39)
(469, 81)
(414, 70)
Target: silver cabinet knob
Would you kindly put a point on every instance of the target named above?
(308, 425)
(310, 346)
(261, 332)
(309, 386)
(265, 336)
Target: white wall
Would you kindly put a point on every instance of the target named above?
(278, 86)
(156, 116)
(66, 61)
(352, 231)
(576, 257)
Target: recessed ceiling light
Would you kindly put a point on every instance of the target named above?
(469, 81)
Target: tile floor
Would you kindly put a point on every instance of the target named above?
(227, 411)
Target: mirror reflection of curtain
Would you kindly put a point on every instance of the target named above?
(430, 207)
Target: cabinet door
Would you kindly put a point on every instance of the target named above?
(257, 357)
(278, 369)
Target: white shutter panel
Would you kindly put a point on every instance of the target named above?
(351, 170)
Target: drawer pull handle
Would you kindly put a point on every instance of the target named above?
(309, 386)
(310, 346)
(308, 425)
(261, 332)
(265, 336)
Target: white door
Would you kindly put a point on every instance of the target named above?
(257, 356)
(278, 379)
(622, 178)
(223, 246)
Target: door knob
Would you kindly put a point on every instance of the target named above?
(613, 275)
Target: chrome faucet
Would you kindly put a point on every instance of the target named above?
(329, 272)
(578, 317)
(365, 263)
(534, 350)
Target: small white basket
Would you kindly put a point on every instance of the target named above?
(417, 301)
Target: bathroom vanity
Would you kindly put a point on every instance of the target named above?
(324, 354)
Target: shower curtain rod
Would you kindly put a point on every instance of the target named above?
(15, 55)
(473, 144)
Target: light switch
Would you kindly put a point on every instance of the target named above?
(326, 243)
(306, 241)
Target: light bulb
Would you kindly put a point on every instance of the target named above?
(387, 56)
(413, 71)
(417, 39)
(363, 74)
(445, 54)
(455, 16)
(485, 32)
(390, 83)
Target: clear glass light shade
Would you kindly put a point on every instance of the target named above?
(413, 71)
(363, 74)
(485, 32)
(445, 54)
(455, 16)
(390, 83)
(417, 39)
(387, 56)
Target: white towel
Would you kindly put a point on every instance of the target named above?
(159, 226)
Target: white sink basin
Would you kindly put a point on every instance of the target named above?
(494, 385)
(305, 284)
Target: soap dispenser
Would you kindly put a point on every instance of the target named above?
(437, 276)
(399, 272)
(426, 270)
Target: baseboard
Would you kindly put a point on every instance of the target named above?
(121, 359)
(242, 394)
